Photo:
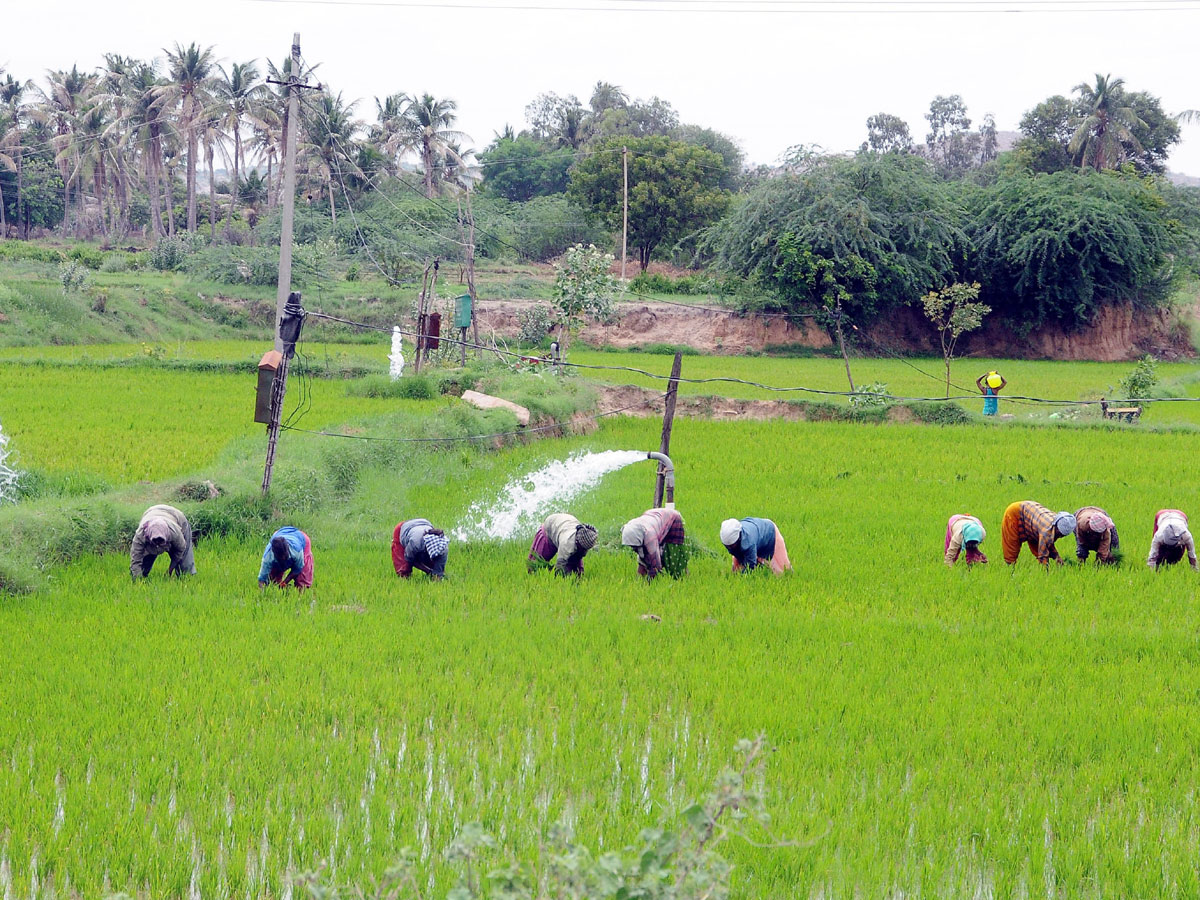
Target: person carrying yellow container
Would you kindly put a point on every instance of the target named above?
(990, 384)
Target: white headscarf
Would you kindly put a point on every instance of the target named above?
(731, 531)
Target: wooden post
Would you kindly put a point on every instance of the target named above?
(421, 319)
(668, 423)
(842, 344)
(278, 392)
(625, 204)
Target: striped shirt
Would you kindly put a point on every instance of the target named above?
(1036, 525)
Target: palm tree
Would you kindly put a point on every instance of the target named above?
(275, 113)
(62, 103)
(426, 126)
(456, 168)
(330, 129)
(12, 116)
(1101, 139)
(188, 89)
(239, 94)
(390, 136)
(144, 118)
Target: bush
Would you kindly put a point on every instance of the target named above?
(72, 276)
(410, 387)
(169, 254)
(866, 396)
(86, 256)
(534, 322)
(932, 413)
(31, 252)
(1139, 383)
(115, 262)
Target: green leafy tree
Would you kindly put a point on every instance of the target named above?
(674, 190)
(239, 94)
(887, 133)
(583, 289)
(954, 311)
(1046, 135)
(521, 168)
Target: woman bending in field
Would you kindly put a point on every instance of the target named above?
(416, 544)
(163, 529)
(649, 536)
(564, 536)
(752, 542)
(287, 560)
(1171, 539)
(964, 533)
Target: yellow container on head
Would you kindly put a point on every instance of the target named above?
(994, 380)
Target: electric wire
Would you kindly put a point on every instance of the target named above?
(727, 379)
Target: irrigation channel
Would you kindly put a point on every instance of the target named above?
(523, 502)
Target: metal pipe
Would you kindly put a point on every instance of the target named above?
(668, 468)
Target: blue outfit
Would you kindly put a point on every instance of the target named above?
(757, 541)
(991, 405)
(293, 565)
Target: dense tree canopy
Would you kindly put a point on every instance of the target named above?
(674, 189)
(521, 168)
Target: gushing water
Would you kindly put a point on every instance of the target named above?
(396, 357)
(8, 475)
(526, 499)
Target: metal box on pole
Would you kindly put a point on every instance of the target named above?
(462, 311)
(267, 367)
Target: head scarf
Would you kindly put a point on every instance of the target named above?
(633, 534)
(436, 545)
(972, 533)
(586, 536)
(731, 531)
(1100, 523)
(1065, 523)
(1173, 534)
(156, 530)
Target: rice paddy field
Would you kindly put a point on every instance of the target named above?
(1007, 732)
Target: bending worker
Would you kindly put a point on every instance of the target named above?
(163, 529)
(1031, 523)
(1095, 531)
(990, 384)
(287, 560)
(647, 536)
(1171, 539)
(964, 533)
(416, 544)
(752, 541)
(564, 536)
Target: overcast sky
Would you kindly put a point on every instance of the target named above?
(770, 73)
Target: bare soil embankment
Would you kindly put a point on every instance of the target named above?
(1117, 333)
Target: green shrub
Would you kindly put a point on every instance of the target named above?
(932, 413)
(72, 276)
(410, 387)
(169, 254)
(535, 322)
(115, 262)
(86, 256)
(32, 252)
(1139, 383)
(870, 395)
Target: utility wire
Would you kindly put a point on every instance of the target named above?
(645, 401)
(725, 379)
